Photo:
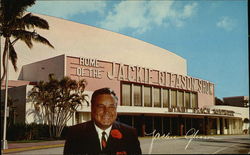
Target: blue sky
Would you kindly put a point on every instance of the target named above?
(210, 35)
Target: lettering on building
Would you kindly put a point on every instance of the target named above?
(201, 111)
(122, 72)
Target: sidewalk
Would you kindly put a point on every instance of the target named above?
(17, 147)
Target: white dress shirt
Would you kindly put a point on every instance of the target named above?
(99, 132)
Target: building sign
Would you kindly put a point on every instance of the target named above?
(92, 70)
(201, 111)
(122, 72)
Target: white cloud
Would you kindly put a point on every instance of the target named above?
(66, 9)
(189, 10)
(226, 23)
(127, 15)
(143, 15)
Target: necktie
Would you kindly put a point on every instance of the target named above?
(104, 142)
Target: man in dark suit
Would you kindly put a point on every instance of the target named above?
(102, 135)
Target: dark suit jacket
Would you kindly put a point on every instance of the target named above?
(83, 139)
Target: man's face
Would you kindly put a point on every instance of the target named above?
(103, 111)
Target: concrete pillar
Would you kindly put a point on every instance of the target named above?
(218, 126)
(223, 126)
(230, 126)
(152, 96)
(190, 99)
(184, 99)
(208, 127)
(239, 127)
(162, 127)
(177, 98)
(170, 99)
(161, 97)
(143, 127)
(142, 95)
(170, 124)
(132, 94)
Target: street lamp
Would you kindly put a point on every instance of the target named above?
(4, 141)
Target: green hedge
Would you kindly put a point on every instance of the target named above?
(30, 132)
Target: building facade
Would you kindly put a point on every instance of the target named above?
(155, 93)
(238, 101)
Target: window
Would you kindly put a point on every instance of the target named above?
(227, 124)
(173, 98)
(194, 100)
(187, 100)
(137, 95)
(157, 97)
(180, 99)
(126, 94)
(147, 97)
(165, 98)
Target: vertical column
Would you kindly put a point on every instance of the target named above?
(204, 126)
(223, 126)
(152, 94)
(185, 124)
(142, 95)
(162, 129)
(161, 97)
(240, 126)
(170, 106)
(230, 126)
(143, 125)
(208, 127)
(132, 94)
(218, 126)
(177, 98)
(170, 124)
(190, 99)
(153, 123)
(184, 99)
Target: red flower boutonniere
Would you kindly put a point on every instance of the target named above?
(121, 153)
(116, 134)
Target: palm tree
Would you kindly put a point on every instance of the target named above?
(17, 24)
(57, 101)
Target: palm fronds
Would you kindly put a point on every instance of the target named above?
(13, 23)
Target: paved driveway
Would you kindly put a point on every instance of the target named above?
(236, 144)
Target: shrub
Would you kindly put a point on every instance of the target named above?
(32, 131)
(27, 132)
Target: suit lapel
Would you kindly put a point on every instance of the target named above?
(94, 142)
(112, 143)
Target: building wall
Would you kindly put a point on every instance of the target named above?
(76, 39)
(241, 112)
(40, 70)
(17, 94)
(239, 101)
(99, 73)
(205, 100)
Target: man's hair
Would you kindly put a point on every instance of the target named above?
(101, 92)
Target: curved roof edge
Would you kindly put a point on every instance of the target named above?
(103, 29)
